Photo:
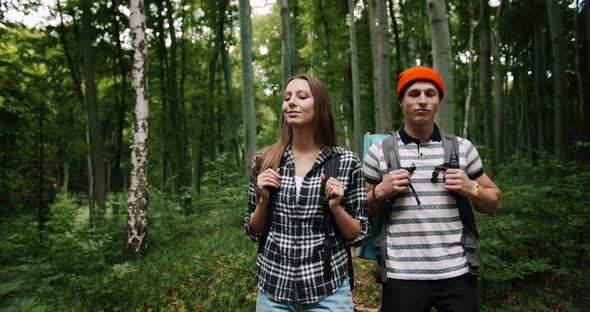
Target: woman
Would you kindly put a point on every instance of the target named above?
(285, 213)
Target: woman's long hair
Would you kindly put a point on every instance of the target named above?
(323, 124)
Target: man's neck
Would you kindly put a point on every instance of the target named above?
(422, 133)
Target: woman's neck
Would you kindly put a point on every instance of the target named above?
(303, 141)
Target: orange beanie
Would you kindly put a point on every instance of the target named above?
(420, 73)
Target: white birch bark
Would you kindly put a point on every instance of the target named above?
(137, 197)
(356, 99)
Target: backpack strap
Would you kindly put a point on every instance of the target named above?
(391, 157)
(470, 236)
(331, 170)
(269, 214)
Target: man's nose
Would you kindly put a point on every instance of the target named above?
(422, 98)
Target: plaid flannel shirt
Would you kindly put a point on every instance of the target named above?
(290, 267)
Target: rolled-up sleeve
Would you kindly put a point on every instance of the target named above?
(356, 202)
(253, 236)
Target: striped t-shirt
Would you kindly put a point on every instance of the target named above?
(424, 241)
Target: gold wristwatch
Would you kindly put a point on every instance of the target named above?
(475, 193)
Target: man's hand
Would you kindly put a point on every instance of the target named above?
(456, 180)
(395, 182)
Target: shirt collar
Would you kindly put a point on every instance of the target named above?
(407, 139)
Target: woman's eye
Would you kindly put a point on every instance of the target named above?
(303, 97)
(286, 99)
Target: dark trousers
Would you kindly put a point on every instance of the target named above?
(455, 294)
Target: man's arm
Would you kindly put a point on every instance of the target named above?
(488, 195)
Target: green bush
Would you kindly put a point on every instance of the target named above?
(536, 249)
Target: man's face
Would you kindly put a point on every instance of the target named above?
(420, 103)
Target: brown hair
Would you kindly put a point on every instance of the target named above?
(323, 124)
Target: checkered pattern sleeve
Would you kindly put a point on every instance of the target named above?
(355, 198)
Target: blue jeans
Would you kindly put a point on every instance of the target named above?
(340, 301)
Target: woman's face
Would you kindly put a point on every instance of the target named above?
(298, 103)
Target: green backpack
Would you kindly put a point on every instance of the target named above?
(376, 246)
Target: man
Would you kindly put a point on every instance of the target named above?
(426, 264)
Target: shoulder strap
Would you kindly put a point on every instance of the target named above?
(391, 157)
(390, 151)
(330, 170)
(451, 147)
(272, 191)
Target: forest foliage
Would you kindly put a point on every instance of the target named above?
(521, 93)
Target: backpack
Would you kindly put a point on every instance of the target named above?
(376, 245)
(330, 170)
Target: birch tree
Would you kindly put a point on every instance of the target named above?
(441, 57)
(137, 197)
(356, 99)
(248, 108)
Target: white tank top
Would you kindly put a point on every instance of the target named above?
(298, 183)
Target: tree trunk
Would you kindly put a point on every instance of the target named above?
(582, 21)
(76, 79)
(372, 20)
(138, 193)
(40, 205)
(163, 60)
(232, 132)
(356, 98)
(175, 116)
(183, 114)
(91, 103)
(442, 60)
(248, 105)
(217, 42)
(66, 181)
(293, 27)
(399, 66)
(558, 44)
(122, 107)
(285, 40)
(485, 93)
(586, 61)
(384, 67)
(470, 82)
(539, 70)
(381, 64)
(498, 96)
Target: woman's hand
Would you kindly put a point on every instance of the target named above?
(268, 178)
(334, 192)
